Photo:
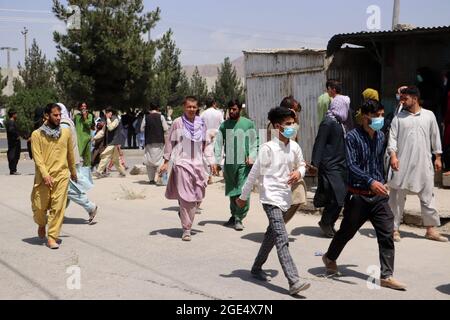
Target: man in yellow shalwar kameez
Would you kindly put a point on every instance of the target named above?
(55, 163)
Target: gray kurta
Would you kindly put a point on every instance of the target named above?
(414, 137)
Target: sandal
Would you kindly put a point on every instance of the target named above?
(436, 237)
(186, 236)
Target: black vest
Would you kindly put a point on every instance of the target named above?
(115, 137)
(154, 131)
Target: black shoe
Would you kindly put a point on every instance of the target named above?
(327, 230)
(152, 183)
(261, 275)
(15, 174)
(230, 222)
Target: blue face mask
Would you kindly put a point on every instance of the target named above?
(377, 124)
(290, 132)
(419, 78)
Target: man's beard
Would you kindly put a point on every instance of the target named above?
(52, 124)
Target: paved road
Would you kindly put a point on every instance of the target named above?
(135, 251)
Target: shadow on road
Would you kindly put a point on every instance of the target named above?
(445, 289)
(370, 233)
(246, 276)
(344, 272)
(216, 222)
(308, 231)
(172, 233)
(35, 241)
(259, 237)
(175, 209)
(75, 221)
(142, 182)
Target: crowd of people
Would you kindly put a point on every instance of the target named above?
(366, 167)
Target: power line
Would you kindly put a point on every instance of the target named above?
(26, 11)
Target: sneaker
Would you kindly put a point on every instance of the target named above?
(15, 174)
(41, 232)
(298, 287)
(98, 175)
(238, 226)
(397, 236)
(327, 230)
(52, 244)
(391, 283)
(186, 236)
(92, 215)
(230, 222)
(330, 265)
(261, 275)
(152, 183)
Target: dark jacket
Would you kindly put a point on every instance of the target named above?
(12, 133)
(329, 157)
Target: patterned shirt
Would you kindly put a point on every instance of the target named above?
(365, 158)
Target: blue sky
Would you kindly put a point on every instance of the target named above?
(207, 30)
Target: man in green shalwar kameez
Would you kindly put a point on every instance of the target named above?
(239, 137)
(84, 122)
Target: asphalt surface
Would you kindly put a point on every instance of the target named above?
(134, 251)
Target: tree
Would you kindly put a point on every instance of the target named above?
(3, 83)
(199, 87)
(25, 102)
(35, 88)
(169, 73)
(106, 62)
(37, 72)
(228, 86)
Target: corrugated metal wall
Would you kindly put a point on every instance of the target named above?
(272, 76)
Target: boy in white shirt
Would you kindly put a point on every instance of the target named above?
(280, 164)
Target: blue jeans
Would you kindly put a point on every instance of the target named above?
(80, 198)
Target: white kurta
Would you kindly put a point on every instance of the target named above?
(414, 137)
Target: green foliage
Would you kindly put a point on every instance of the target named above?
(170, 80)
(34, 89)
(25, 102)
(3, 83)
(177, 112)
(38, 72)
(228, 86)
(106, 62)
(199, 87)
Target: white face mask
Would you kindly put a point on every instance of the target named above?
(445, 82)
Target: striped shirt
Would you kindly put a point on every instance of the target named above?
(365, 158)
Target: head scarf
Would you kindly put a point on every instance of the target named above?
(194, 131)
(368, 94)
(52, 133)
(65, 117)
(339, 108)
(371, 94)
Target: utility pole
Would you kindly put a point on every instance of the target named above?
(396, 16)
(25, 32)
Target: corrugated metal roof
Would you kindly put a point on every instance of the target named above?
(398, 32)
(361, 38)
